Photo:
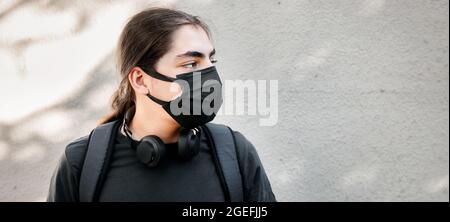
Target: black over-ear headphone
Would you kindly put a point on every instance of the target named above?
(151, 150)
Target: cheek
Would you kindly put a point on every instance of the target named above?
(174, 90)
(166, 90)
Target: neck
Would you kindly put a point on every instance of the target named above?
(149, 122)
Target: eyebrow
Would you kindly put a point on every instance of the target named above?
(196, 54)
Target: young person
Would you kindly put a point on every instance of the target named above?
(157, 150)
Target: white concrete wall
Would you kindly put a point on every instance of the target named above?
(363, 96)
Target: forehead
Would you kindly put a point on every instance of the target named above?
(190, 38)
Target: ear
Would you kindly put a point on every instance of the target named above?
(138, 79)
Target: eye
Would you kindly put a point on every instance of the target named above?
(213, 60)
(190, 65)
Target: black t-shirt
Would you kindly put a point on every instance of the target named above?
(129, 180)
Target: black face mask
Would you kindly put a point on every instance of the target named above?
(200, 99)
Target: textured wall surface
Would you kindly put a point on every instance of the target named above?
(363, 101)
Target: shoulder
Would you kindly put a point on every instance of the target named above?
(255, 181)
(245, 149)
(243, 146)
(75, 152)
(64, 181)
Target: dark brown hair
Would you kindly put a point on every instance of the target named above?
(146, 37)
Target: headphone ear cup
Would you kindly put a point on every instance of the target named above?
(151, 150)
(188, 143)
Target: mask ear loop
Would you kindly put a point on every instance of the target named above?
(153, 73)
(156, 100)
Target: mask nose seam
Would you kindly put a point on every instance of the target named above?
(202, 72)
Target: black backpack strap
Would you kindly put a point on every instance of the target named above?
(96, 160)
(225, 148)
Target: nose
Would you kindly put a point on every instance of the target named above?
(207, 64)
